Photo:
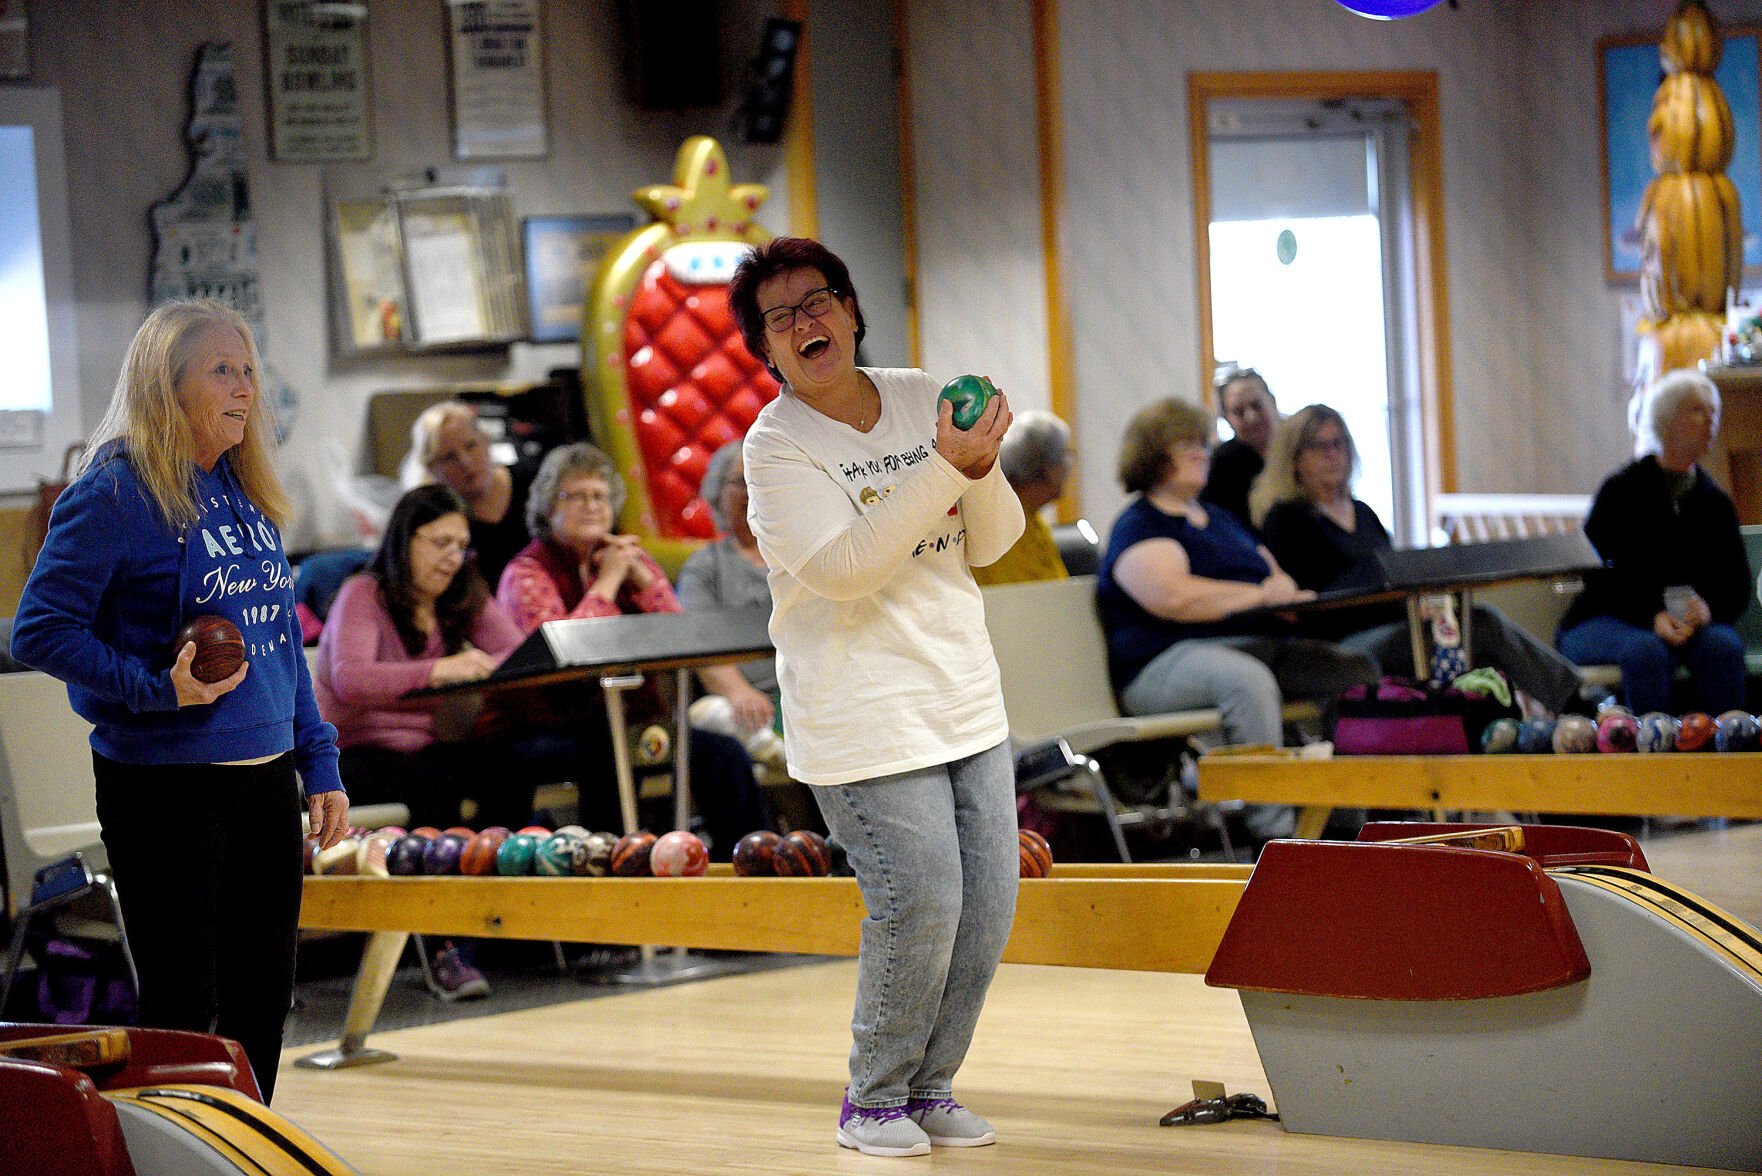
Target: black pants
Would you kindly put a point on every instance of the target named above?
(722, 785)
(207, 865)
(433, 781)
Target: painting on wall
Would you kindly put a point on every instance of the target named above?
(562, 254)
(1628, 74)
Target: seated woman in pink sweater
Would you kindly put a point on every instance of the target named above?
(418, 616)
(579, 567)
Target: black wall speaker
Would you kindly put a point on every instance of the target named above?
(771, 83)
(673, 53)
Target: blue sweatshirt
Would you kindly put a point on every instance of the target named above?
(114, 584)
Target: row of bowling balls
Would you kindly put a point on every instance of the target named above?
(763, 853)
(533, 850)
(574, 851)
(1617, 730)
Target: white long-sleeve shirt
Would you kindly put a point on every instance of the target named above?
(882, 653)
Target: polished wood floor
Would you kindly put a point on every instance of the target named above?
(743, 1074)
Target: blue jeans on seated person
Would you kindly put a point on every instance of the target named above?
(1245, 678)
(1714, 657)
(936, 858)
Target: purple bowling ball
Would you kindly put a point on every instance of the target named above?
(443, 854)
(405, 858)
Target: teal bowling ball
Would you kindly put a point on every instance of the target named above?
(1499, 737)
(555, 857)
(514, 858)
(969, 395)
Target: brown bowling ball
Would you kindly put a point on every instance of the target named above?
(753, 853)
(1036, 855)
(220, 647)
(479, 858)
(630, 857)
(802, 854)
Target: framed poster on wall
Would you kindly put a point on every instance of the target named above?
(497, 79)
(562, 254)
(316, 71)
(1628, 73)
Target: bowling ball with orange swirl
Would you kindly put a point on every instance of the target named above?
(630, 857)
(1036, 854)
(1697, 732)
(802, 854)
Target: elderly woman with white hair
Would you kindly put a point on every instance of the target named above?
(579, 567)
(1674, 575)
(730, 573)
(1035, 457)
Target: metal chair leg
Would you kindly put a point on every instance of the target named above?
(108, 885)
(1104, 798)
(15, 954)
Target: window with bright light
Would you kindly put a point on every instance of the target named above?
(24, 303)
(1311, 322)
(40, 411)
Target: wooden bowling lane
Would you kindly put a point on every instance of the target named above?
(743, 1074)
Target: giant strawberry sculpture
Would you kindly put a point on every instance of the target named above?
(668, 379)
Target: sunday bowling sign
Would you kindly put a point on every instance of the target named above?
(317, 72)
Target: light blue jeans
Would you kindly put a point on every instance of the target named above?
(936, 859)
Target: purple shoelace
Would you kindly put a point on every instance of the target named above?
(879, 1114)
(942, 1103)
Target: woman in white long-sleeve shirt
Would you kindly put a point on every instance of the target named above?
(870, 508)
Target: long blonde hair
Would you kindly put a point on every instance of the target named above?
(147, 418)
(1278, 481)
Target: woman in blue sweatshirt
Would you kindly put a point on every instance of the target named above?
(174, 516)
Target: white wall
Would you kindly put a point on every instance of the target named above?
(1538, 392)
(1534, 327)
(123, 71)
(981, 277)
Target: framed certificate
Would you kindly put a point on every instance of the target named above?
(425, 269)
(316, 70)
(562, 254)
(497, 79)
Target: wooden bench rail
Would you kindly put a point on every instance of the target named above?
(1677, 784)
(1132, 922)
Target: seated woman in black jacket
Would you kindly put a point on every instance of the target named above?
(1674, 575)
(1327, 540)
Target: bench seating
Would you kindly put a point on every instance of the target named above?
(1052, 655)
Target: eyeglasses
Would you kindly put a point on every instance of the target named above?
(782, 318)
(1328, 445)
(584, 498)
(445, 545)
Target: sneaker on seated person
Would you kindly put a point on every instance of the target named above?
(456, 978)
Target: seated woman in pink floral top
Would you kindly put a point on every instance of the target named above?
(577, 567)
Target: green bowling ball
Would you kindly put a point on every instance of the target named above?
(969, 395)
(514, 858)
(555, 857)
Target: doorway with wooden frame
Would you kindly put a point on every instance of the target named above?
(1318, 228)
